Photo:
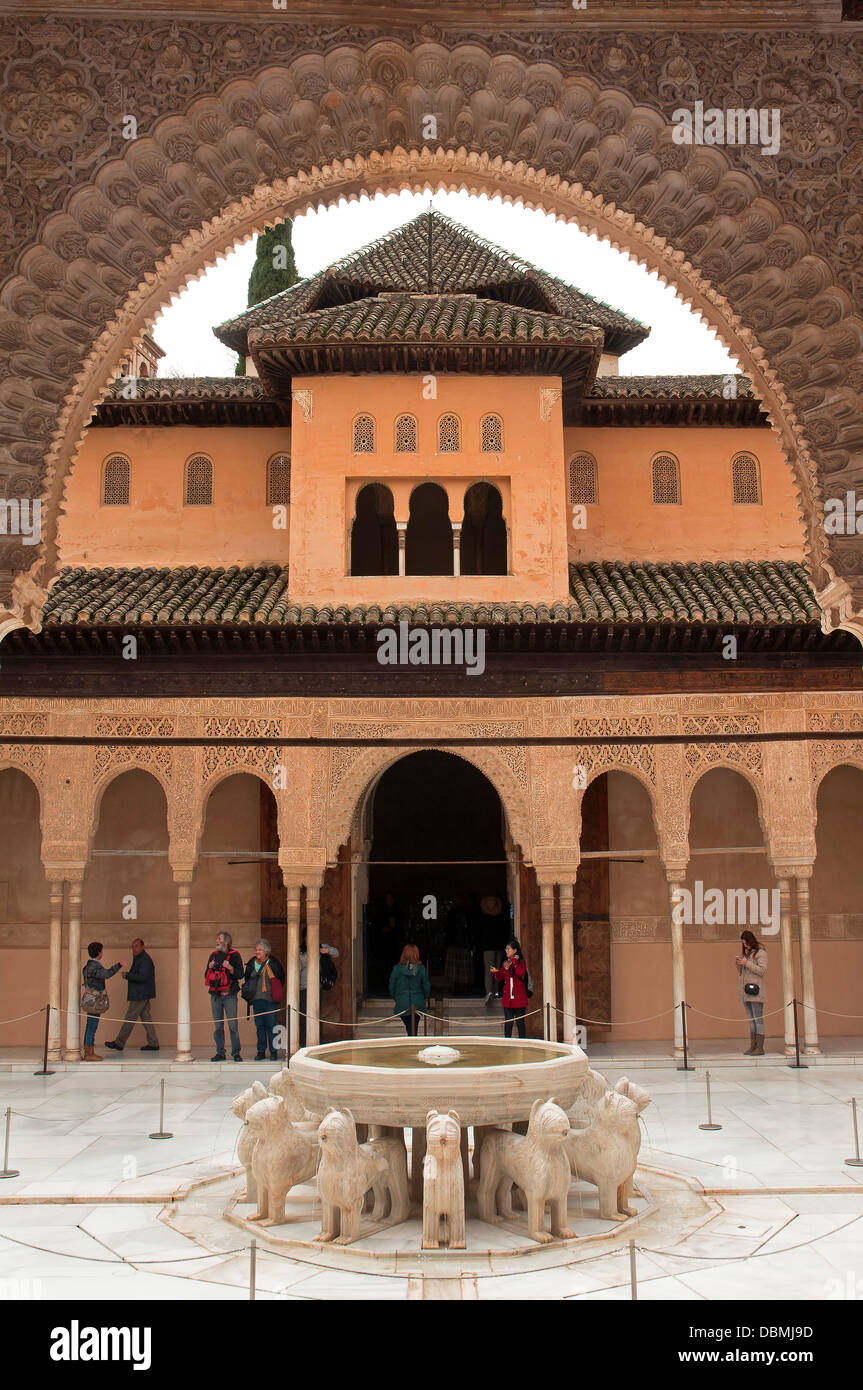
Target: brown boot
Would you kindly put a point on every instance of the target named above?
(758, 1050)
(90, 1056)
(750, 1051)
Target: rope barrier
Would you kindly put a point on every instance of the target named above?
(123, 1259)
(22, 1016)
(720, 1018)
(620, 1023)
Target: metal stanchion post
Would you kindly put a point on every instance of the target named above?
(162, 1132)
(7, 1171)
(253, 1251)
(710, 1124)
(855, 1162)
(686, 1066)
(43, 1070)
(548, 1023)
(633, 1282)
(797, 1065)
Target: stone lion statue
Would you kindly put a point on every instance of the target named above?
(282, 1084)
(347, 1171)
(582, 1112)
(443, 1181)
(283, 1156)
(606, 1153)
(537, 1163)
(247, 1140)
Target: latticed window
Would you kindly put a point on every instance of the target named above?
(279, 479)
(491, 434)
(406, 435)
(583, 481)
(666, 480)
(364, 435)
(448, 434)
(116, 477)
(199, 482)
(745, 481)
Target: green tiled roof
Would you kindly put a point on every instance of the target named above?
(768, 593)
(434, 254)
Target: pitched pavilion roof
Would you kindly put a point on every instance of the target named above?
(431, 254)
(769, 593)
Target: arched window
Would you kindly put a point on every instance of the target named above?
(583, 481)
(448, 434)
(666, 481)
(429, 532)
(374, 539)
(745, 481)
(143, 370)
(406, 435)
(116, 478)
(364, 435)
(491, 434)
(198, 490)
(279, 480)
(483, 531)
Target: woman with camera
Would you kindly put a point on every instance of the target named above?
(751, 970)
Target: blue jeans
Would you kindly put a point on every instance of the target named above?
(90, 1030)
(224, 1006)
(265, 1013)
(755, 1010)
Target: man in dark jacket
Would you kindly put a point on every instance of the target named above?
(227, 963)
(141, 988)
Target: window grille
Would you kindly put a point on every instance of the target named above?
(279, 480)
(583, 481)
(116, 477)
(745, 481)
(364, 435)
(491, 434)
(666, 481)
(448, 434)
(406, 435)
(199, 481)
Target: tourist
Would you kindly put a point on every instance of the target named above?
(514, 976)
(751, 969)
(326, 980)
(94, 996)
(140, 989)
(410, 986)
(264, 989)
(222, 978)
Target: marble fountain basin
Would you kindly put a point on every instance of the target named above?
(382, 1081)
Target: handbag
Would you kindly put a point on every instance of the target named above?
(93, 1000)
(249, 988)
(277, 989)
(751, 987)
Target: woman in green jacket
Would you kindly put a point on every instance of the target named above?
(409, 984)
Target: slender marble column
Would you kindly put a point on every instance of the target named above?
(678, 967)
(293, 964)
(73, 1017)
(402, 529)
(567, 960)
(184, 970)
(456, 547)
(549, 993)
(55, 953)
(313, 968)
(810, 1017)
(784, 886)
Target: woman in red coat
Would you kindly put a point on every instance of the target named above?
(513, 974)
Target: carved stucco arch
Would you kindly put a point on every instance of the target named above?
(245, 765)
(124, 761)
(843, 755)
(11, 763)
(755, 781)
(369, 765)
(599, 770)
(586, 137)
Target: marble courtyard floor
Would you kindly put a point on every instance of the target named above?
(764, 1208)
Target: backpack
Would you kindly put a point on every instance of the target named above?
(329, 973)
(528, 983)
(216, 977)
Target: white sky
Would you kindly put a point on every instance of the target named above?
(678, 343)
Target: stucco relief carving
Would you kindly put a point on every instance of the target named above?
(823, 757)
(573, 119)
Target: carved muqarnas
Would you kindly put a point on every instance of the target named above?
(606, 1153)
(241, 1105)
(283, 1156)
(443, 1181)
(537, 1164)
(347, 1171)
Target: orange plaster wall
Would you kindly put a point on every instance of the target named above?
(325, 473)
(156, 529)
(625, 524)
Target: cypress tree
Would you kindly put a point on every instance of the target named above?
(274, 270)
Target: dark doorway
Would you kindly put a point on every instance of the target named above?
(374, 539)
(483, 531)
(440, 820)
(428, 541)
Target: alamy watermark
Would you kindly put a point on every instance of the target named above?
(727, 126)
(439, 646)
(21, 516)
(718, 907)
